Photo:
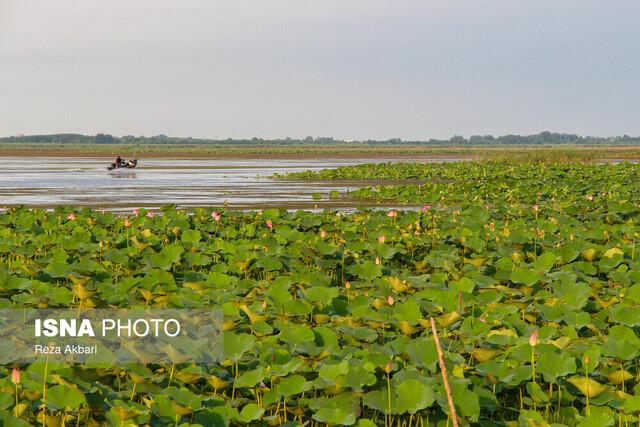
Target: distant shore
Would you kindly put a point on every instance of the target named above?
(502, 152)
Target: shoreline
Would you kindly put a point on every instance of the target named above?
(410, 152)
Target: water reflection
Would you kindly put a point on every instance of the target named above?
(243, 183)
(119, 174)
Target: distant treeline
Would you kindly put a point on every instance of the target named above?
(537, 139)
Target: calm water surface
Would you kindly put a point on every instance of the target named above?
(242, 183)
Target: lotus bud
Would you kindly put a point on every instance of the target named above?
(586, 360)
(347, 285)
(150, 215)
(323, 234)
(387, 367)
(536, 208)
(392, 214)
(590, 198)
(378, 260)
(269, 224)
(382, 238)
(71, 216)
(533, 338)
(216, 216)
(426, 207)
(15, 376)
(390, 300)
(127, 223)
(135, 212)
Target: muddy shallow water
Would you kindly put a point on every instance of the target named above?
(242, 183)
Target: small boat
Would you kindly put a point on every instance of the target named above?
(124, 164)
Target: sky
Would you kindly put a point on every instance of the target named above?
(351, 69)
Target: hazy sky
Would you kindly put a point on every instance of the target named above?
(345, 68)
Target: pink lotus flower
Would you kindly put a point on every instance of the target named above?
(135, 212)
(216, 216)
(390, 300)
(15, 376)
(269, 224)
(382, 238)
(536, 208)
(323, 234)
(392, 214)
(127, 223)
(426, 207)
(71, 216)
(533, 338)
(150, 215)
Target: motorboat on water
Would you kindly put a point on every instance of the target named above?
(123, 164)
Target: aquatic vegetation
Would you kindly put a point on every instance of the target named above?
(329, 315)
(506, 152)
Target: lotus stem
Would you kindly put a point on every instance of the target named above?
(15, 408)
(388, 399)
(284, 408)
(443, 370)
(586, 376)
(173, 367)
(133, 391)
(44, 392)
(533, 364)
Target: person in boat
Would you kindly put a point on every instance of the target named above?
(119, 162)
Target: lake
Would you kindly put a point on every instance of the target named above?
(241, 183)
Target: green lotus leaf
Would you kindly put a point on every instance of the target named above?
(545, 262)
(292, 385)
(167, 257)
(321, 294)
(191, 236)
(249, 413)
(599, 417)
(235, 345)
(625, 314)
(525, 276)
(537, 394)
(329, 372)
(408, 311)
(7, 419)
(337, 416)
(423, 353)
(413, 396)
(61, 397)
(270, 263)
(250, 378)
(632, 405)
(293, 333)
(553, 366)
(622, 343)
(184, 397)
(367, 270)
